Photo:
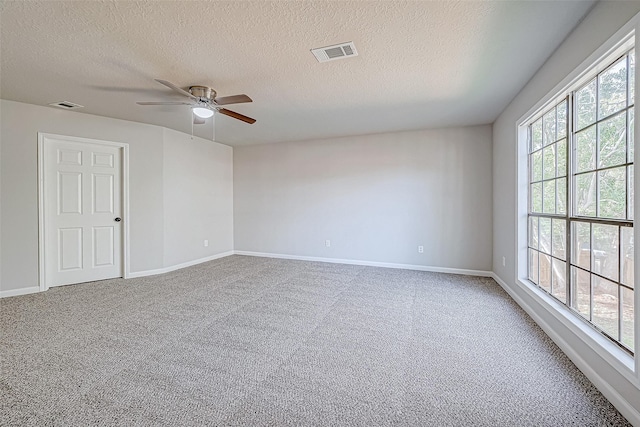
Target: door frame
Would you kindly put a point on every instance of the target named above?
(42, 198)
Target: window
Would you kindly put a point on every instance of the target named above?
(580, 209)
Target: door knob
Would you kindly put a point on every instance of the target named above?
(118, 219)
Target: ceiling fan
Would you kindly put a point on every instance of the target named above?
(204, 102)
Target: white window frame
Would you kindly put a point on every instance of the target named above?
(626, 364)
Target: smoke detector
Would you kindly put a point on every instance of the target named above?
(337, 51)
(66, 105)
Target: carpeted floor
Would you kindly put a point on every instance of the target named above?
(257, 341)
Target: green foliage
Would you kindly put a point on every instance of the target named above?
(549, 162)
(549, 127)
(612, 141)
(612, 89)
(585, 194)
(562, 119)
(586, 149)
(586, 105)
(536, 135)
(545, 235)
(581, 244)
(561, 196)
(613, 193)
(549, 196)
(561, 151)
(559, 234)
(536, 166)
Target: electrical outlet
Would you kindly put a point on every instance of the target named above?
(504, 261)
(420, 249)
(206, 243)
(327, 243)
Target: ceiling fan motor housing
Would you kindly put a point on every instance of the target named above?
(203, 92)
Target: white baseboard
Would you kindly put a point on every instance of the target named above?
(22, 291)
(177, 266)
(616, 399)
(482, 273)
(163, 270)
(34, 289)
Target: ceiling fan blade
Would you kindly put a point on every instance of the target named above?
(176, 88)
(163, 103)
(198, 120)
(234, 99)
(236, 115)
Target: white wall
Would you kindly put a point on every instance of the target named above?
(19, 126)
(601, 23)
(198, 198)
(376, 197)
(0, 198)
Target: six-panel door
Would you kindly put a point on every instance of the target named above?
(82, 210)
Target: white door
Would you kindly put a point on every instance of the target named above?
(82, 216)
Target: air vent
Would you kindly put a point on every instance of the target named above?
(338, 51)
(66, 105)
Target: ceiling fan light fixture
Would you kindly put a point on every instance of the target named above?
(203, 113)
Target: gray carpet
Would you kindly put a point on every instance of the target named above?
(257, 341)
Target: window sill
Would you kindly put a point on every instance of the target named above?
(615, 356)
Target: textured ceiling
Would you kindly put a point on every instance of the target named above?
(420, 64)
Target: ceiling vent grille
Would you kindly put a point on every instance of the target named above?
(338, 51)
(66, 105)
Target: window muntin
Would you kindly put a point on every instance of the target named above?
(581, 157)
(548, 162)
(548, 201)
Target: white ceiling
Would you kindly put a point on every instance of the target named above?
(420, 64)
